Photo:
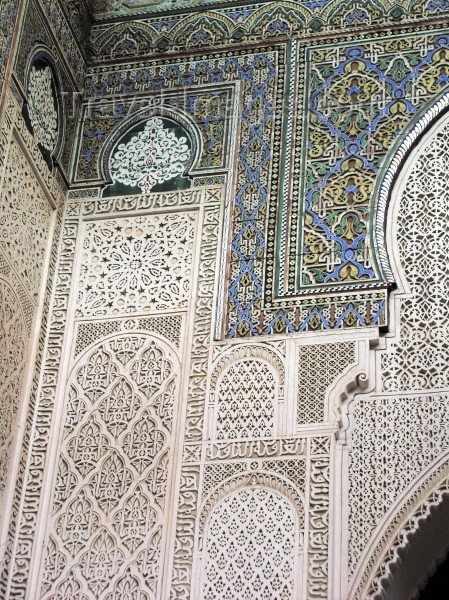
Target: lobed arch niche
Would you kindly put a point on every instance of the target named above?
(405, 545)
(154, 150)
(43, 110)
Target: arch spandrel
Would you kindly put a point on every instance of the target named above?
(399, 430)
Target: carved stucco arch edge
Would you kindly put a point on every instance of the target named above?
(395, 161)
(21, 298)
(397, 529)
(245, 351)
(151, 335)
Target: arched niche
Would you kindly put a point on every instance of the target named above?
(247, 394)
(43, 109)
(252, 539)
(246, 399)
(114, 469)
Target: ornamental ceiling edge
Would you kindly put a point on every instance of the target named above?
(126, 9)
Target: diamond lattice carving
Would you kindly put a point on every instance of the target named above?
(251, 547)
(330, 361)
(246, 395)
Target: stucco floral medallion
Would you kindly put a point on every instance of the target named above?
(42, 108)
(152, 156)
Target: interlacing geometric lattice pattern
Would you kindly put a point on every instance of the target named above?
(112, 474)
(397, 434)
(136, 264)
(293, 470)
(25, 217)
(319, 366)
(358, 101)
(251, 547)
(13, 345)
(246, 396)
(395, 439)
(258, 76)
(107, 488)
(419, 361)
(110, 492)
(25, 214)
